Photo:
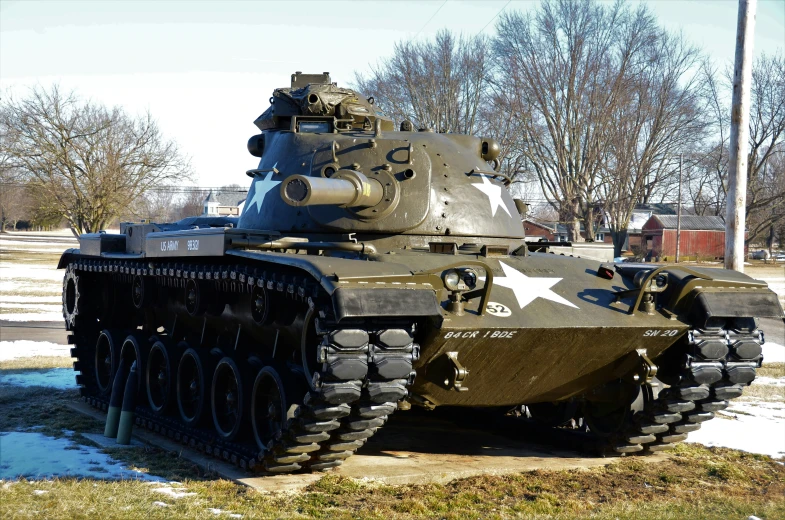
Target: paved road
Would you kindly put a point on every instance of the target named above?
(52, 331)
(774, 330)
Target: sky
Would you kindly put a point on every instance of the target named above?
(205, 70)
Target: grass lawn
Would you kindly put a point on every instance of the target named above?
(695, 482)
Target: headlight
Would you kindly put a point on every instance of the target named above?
(470, 278)
(451, 279)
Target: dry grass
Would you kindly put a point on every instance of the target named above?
(772, 370)
(760, 392)
(37, 362)
(694, 483)
(16, 256)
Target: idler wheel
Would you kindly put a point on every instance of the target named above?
(159, 376)
(227, 399)
(107, 358)
(70, 297)
(612, 418)
(191, 387)
(271, 405)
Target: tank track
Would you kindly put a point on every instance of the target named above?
(366, 367)
(717, 365)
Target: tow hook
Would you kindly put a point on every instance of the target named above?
(645, 371)
(447, 372)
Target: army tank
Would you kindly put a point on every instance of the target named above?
(374, 269)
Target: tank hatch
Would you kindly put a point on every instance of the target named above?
(314, 104)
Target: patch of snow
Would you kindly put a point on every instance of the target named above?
(160, 504)
(33, 306)
(773, 353)
(24, 348)
(19, 286)
(42, 241)
(30, 272)
(49, 251)
(172, 492)
(217, 512)
(32, 316)
(58, 299)
(770, 381)
(40, 491)
(34, 455)
(760, 428)
(59, 378)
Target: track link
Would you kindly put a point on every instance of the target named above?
(365, 368)
(716, 367)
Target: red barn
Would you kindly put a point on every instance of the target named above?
(700, 236)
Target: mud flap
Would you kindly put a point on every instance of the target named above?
(735, 304)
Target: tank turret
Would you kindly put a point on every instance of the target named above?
(331, 162)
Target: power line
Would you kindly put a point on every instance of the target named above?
(495, 16)
(429, 20)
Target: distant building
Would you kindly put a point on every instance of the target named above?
(223, 203)
(601, 234)
(553, 232)
(543, 230)
(700, 236)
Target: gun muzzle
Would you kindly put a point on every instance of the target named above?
(346, 188)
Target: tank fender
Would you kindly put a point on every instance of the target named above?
(66, 257)
(710, 304)
(353, 302)
(370, 291)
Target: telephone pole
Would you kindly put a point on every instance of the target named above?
(678, 214)
(739, 133)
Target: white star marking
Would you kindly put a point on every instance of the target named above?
(260, 189)
(494, 193)
(528, 289)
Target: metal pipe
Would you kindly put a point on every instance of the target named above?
(258, 243)
(346, 188)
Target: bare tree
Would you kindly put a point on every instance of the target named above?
(564, 68)
(86, 162)
(439, 84)
(14, 204)
(765, 166)
(157, 205)
(190, 204)
(659, 115)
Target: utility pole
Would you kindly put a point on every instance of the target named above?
(678, 214)
(735, 216)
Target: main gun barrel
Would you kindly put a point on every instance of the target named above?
(347, 188)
